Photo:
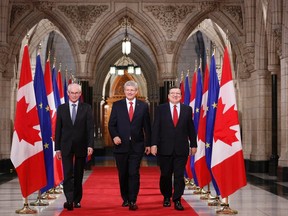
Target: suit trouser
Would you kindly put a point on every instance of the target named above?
(73, 168)
(170, 165)
(128, 165)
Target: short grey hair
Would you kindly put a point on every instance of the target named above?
(131, 83)
(74, 84)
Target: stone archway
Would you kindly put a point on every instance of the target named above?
(116, 93)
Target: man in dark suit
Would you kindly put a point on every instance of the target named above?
(173, 128)
(130, 130)
(73, 142)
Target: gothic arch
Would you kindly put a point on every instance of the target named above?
(220, 18)
(142, 52)
(32, 17)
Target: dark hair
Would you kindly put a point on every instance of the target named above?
(173, 87)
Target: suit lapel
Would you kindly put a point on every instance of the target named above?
(168, 113)
(124, 108)
(181, 116)
(78, 111)
(136, 109)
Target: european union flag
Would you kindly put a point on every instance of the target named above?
(45, 123)
(65, 91)
(55, 88)
(213, 92)
(187, 91)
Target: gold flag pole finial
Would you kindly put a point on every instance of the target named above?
(60, 66)
(27, 38)
(214, 48)
(39, 48)
(54, 61)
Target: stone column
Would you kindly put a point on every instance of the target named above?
(283, 118)
(258, 105)
(5, 86)
(273, 163)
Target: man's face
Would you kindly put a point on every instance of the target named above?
(174, 95)
(130, 92)
(74, 93)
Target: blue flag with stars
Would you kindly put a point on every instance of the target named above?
(55, 88)
(213, 92)
(45, 123)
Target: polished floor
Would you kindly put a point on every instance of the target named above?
(263, 195)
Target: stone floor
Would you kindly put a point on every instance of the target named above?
(263, 195)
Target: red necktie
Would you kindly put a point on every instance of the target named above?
(175, 115)
(131, 111)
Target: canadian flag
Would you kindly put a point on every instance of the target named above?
(227, 161)
(27, 150)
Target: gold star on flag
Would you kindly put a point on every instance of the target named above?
(40, 106)
(47, 108)
(197, 110)
(46, 145)
(214, 105)
(207, 145)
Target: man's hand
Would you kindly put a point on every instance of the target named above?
(147, 150)
(58, 155)
(193, 151)
(117, 140)
(90, 151)
(154, 150)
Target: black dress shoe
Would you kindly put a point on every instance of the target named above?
(77, 205)
(125, 204)
(133, 206)
(166, 202)
(178, 206)
(68, 206)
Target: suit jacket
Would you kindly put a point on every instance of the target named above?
(138, 131)
(170, 139)
(79, 136)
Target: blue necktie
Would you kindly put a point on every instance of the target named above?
(73, 113)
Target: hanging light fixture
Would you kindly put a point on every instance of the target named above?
(126, 42)
(125, 63)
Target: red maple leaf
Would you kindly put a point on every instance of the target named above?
(224, 122)
(25, 122)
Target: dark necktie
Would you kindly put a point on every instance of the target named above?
(175, 115)
(73, 113)
(131, 111)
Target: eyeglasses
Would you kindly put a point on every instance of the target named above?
(74, 93)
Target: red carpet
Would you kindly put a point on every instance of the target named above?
(102, 196)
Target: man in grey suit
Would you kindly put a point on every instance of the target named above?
(130, 130)
(73, 142)
(173, 139)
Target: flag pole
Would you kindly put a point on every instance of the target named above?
(39, 201)
(26, 209)
(48, 196)
(226, 208)
(206, 195)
